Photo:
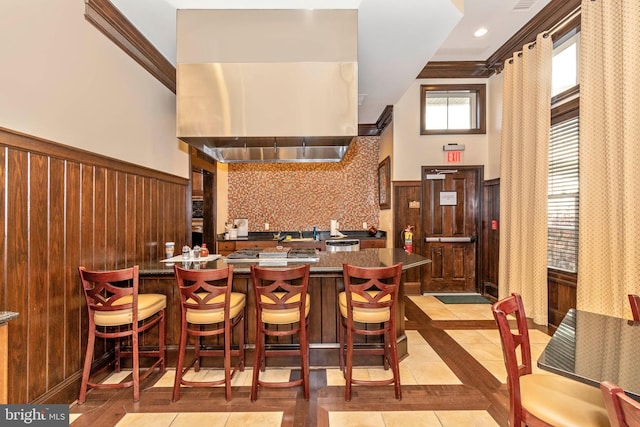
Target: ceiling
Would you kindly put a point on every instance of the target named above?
(395, 38)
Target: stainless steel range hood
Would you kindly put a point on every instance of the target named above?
(268, 85)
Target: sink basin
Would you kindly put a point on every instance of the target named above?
(298, 239)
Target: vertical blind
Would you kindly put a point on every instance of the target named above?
(563, 195)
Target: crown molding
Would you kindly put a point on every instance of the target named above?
(552, 14)
(454, 69)
(113, 24)
(375, 129)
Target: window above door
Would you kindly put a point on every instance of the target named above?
(452, 109)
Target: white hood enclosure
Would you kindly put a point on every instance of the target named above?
(268, 85)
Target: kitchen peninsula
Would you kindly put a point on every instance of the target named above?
(325, 283)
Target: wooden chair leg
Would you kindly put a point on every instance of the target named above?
(161, 343)
(349, 368)
(196, 351)
(395, 366)
(182, 348)
(304, 358)
(386, 357)
(136, 367)
(257, 362)
(241, 345)
(118, 356)
(86, 369)
(227, 362)
(341, 331)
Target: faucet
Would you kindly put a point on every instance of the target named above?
(300, 233)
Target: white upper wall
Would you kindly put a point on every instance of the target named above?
(411, 150)
(61, 79)
(494, 125)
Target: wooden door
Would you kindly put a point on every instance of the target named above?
(450, 214)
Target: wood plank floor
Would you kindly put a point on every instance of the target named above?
(453, 376)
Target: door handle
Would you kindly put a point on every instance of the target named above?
(450, 239)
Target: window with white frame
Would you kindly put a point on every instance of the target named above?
(566, 67)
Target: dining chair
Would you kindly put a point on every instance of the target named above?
(368, 307)
(634, 301)
(623, 410)
(209, 308)
(115, 311)
(539, 399)
(282, 309)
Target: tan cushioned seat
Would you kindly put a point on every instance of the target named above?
(148, 305)
(203, 317)
(563, 402)
(364, 315)
(283, 317)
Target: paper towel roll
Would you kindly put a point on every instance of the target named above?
(334, 227)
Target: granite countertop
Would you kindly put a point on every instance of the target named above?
(5, 316)
(328, 262)
(324, 235)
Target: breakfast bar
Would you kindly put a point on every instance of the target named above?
(325, 283)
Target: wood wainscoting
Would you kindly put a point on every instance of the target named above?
(561, 295)
(406, 208)
(64, 207)
(490, 238)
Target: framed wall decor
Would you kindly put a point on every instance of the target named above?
(384, 183)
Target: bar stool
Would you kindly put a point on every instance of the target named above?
(116, 311)
(538, 399)
(368, 307)
(282, 307)
(206, 299)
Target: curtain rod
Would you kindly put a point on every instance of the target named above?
(554, 29)
(564, 21)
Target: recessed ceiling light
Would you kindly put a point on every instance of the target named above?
(480, 32)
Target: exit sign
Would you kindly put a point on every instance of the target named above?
(454, 156)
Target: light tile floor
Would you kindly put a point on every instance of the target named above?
(422, 366)
(209, 419)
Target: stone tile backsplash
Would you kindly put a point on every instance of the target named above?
(299, 196)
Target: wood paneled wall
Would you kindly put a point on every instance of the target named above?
(561, 285)
(62, 207)
(405, 192)
(562, 295)
(490, 238)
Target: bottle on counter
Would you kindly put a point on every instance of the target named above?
(204, 251)
(315, 233)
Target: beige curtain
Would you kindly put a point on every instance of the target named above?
(523, 176)
(609, 248)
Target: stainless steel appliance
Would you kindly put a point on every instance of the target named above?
(225, 91)
(343, 245)
(270, 255)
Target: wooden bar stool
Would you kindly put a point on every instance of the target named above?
(117, 311)
(537, 399)
(206, 299)
(368, 307)
(282, 306)
(623, 411)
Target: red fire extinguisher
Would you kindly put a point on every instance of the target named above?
(407, 237)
